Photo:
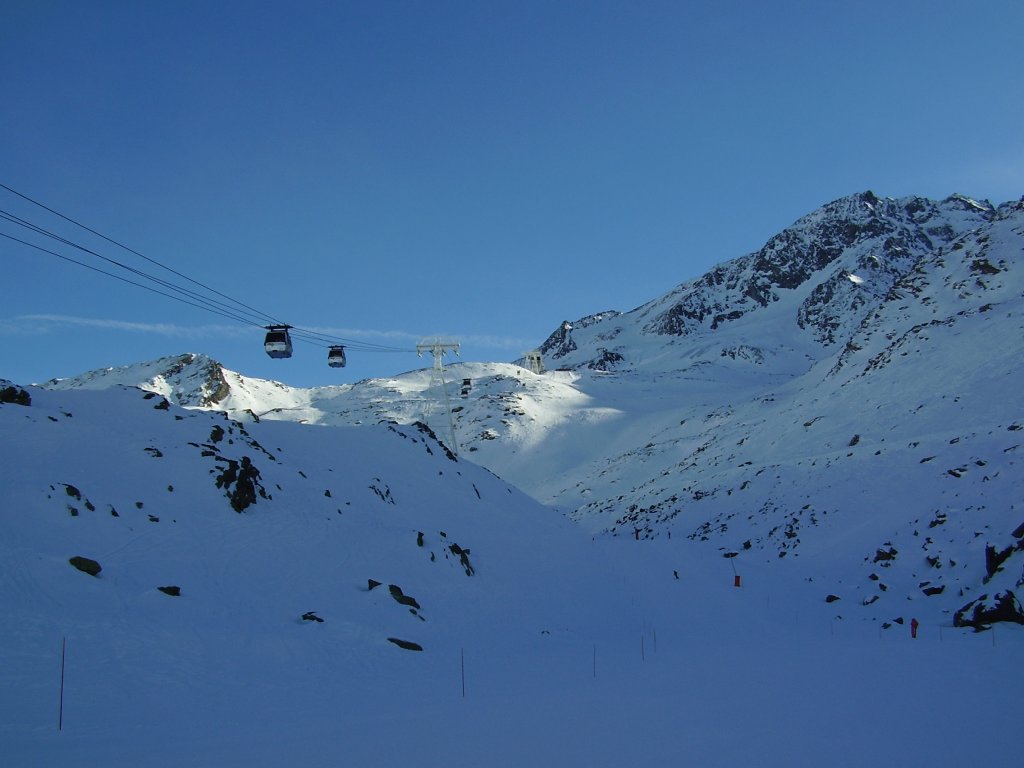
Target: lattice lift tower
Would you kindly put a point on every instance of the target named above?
(438, 347)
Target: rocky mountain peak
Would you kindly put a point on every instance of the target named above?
(560, 342)
(189, 379)
(822, 275)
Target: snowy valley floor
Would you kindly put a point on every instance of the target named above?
(699, 673)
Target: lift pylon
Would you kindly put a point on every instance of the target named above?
(438, 347)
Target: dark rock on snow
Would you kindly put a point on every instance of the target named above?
(402, 599)
(14, 395)
(86, 565)
(982, 613)
(406, 644)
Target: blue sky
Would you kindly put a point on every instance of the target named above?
(385, 171)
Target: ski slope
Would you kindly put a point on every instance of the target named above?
(559, 649)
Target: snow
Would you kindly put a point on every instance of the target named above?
(574, 643)
(576, 651)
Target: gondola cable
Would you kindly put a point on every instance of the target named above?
(206, 302)
(132, 250)
(335, 349)
(130, 282)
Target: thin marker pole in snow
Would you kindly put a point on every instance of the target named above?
(60, 715)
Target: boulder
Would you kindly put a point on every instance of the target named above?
(15, 395)
(245, 477)
(463, 555)
(402, 599)
(983, 612)
(885, 555)
(994, 559)
(86, 565)
(406, 644)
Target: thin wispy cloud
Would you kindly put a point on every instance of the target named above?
(367, 334)
(407, 338)
(37, 324)
(499, 342)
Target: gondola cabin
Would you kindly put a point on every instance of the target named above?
(336, 357)
(277, 342)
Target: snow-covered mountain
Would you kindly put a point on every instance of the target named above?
(833, 424)
(854, 381)
(859, 375)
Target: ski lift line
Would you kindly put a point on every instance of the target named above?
(340, 340)
(129, 282)
(328, 337)
(159, 281)
(325, 342)
(133, 251)
(212, 303)
(29, 225)
(7, 216)
(200, 301)
(126, 280)
(366, 346)
(334, 341)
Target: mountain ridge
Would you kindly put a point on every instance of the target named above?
(873, 347)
